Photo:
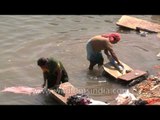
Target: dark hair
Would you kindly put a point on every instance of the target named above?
(41, 61)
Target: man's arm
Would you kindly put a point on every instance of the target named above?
(59, 74)
(106, 52)
(115, 57)
(110, 53)
(44, 77)
(108, 46)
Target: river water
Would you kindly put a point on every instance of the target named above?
(25, 38)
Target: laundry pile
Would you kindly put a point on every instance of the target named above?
(83, 99)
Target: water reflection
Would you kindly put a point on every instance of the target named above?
(155, 18)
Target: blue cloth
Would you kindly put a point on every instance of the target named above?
(114, 63)
(92, 55)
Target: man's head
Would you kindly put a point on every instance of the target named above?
(113, 37)
(42, 62)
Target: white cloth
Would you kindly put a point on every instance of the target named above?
(96, 102)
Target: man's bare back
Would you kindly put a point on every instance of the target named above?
(100, 43)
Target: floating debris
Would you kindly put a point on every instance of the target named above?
(138, 24)
(143, 33)
(158, 55)
(100, 81)
(149, 88)
(125, 98)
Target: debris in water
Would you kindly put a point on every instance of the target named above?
(144, 34)
(158, 55)
(100, 81)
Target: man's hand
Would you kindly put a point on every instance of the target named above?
(120, 64)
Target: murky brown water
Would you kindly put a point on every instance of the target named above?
(25, 38)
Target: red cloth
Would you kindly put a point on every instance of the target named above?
(113, 37)
(153, 100)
